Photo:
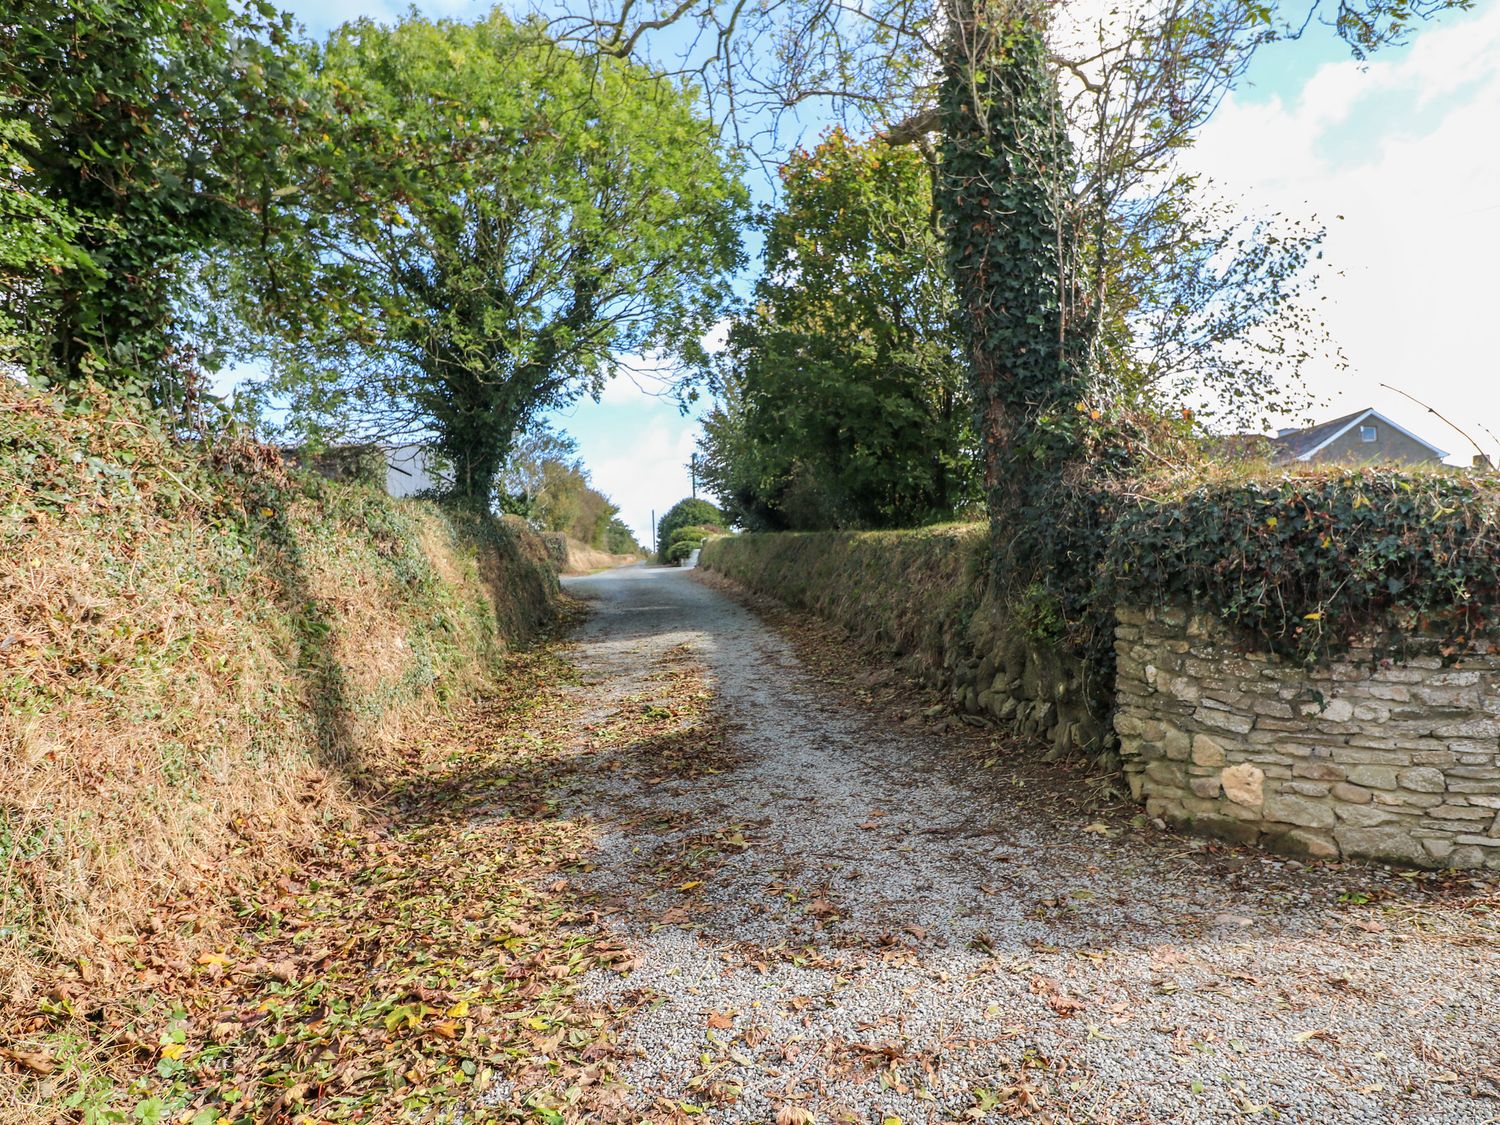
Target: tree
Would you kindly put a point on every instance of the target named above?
(687, 512)
(1186, 296)
(1007, 172)
(502, 219)
(142, 133)
(848, 380)
(524, 475)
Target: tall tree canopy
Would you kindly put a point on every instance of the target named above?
(845, 401)
(138, 135)
(495, 221)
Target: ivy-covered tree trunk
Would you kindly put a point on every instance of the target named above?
(1004, 191)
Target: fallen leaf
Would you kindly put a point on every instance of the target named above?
(37, 1061)
(721, 1020)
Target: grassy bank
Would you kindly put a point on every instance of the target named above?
(206, 665)
(910, 591)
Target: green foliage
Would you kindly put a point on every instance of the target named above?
(844, 404)
(1307, 564)
(138, 136)
(685, 540)
(685, 513)
(908, 590)
(619, 539)
(490, 221)
(1006, 173)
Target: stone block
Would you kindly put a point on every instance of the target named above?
(1459, 812)
(1271, 722)
(1182, 688)
(1373, 777)
(1303, 811)
(1207, 751)
(1272, 708)
(1455, 677)
(1387, 841)
(1164, 807)
(1466, 697)
(1398, 675)
(1405, 798)
(1343, 791)
(1319, 771)
(1153, 730)
(1177, 745)
(1371, 713)
(1330, 710)
(1423, 779)
(1306, 788)
(1127, 725)
(1432, 758)
(1130, 615)
(1303, 842)
(1488, 727)
(1165, 774)
(1364, 816)
(1206, 787)
(1438, 849)
(1224, 720)
(1244, 784)
(1479, 841)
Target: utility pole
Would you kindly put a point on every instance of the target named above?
(653, 531)
(693, 470)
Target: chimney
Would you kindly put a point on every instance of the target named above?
(1287, 430)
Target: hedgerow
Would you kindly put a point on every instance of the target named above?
(1309, 564)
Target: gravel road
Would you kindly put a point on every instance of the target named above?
(861, 920)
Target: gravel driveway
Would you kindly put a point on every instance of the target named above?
(864, 920)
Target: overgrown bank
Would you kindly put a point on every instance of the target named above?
(205, 661)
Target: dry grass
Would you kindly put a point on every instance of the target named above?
(583, 559)
(200, 666)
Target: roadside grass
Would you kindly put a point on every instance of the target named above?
(419, 965)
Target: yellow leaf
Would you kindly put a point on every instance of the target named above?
(215, 959)
(1314, 616)
(267, 512)
(173, 1050)
(1271, 522)
(690, 884)
(459, 1010)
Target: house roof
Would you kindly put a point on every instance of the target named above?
(1302, 445)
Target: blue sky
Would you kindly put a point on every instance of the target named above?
(1403, 147)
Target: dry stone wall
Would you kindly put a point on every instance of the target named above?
(1361, 757)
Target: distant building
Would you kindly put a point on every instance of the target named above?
(1362, 437)
(404, 470)
(410, 469)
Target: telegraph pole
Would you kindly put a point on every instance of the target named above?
(693, 470)
(653, 531)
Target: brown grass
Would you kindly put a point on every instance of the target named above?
(200, 669)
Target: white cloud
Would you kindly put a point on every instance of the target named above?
(645, 470)
(1405, 151)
